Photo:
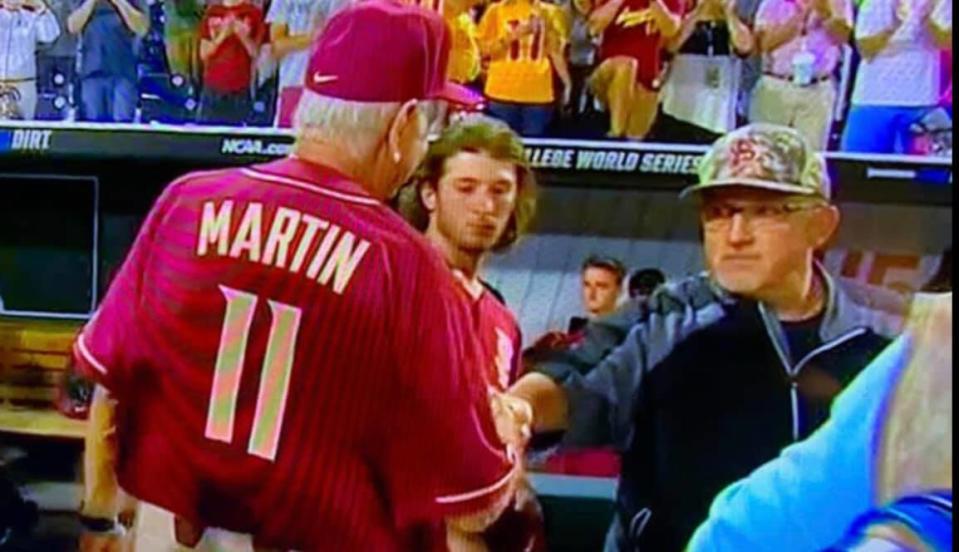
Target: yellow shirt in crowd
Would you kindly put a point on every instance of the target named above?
(464, 64)
(523, 73)
(464, 61)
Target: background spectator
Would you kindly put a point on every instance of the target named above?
(181, 36)
(578, 116)
(629, 75)
(602, 286)
(751, 64)
(524, 43)
(801, 44)
(230, 36)
(644, 282)
(602, 280)
(292, 25)
(465, 63)
(23, 24)
(691, 409)
(703, 82)
(899, 78)
(57, 61)
(109, 40)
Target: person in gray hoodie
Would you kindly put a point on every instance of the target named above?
(713, 375)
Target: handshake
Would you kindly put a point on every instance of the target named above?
(514, 420)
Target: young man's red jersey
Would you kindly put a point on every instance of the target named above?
(641, 42)
(291, 360)
(500, 338)
(519, 527)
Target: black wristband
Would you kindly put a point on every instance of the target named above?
(98, 525)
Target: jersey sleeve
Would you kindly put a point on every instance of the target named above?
(106, 347)
(444, 458)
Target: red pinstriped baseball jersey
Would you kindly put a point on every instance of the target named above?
(498, 334)
(291, 360)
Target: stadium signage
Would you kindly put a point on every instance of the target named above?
(30, 140)
(670, 163)
(612, 160)
(253, 146)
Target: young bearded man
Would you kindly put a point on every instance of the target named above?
(474, 195)
(714, 374)
(264, 313)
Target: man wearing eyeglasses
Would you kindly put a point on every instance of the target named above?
(713, 375)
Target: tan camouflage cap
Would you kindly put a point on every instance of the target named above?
(770, 157)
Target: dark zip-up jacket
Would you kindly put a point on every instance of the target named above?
(697, 388)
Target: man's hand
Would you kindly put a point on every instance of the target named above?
(523, 29)
(514, 420)
(223, 31)
(242, 27)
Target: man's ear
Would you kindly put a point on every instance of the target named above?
(825, 223)
(408, 125)
(428, 196)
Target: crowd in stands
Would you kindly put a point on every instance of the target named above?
(858, 75)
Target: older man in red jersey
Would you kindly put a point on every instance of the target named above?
(245, 349)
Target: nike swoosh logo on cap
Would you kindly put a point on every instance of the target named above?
(323, 79)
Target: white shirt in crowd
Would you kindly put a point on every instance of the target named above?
(300, 17)
(20, 32)
(688, 97)
(907, 72)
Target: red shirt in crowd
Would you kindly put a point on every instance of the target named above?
(293, 361)
(230, 67)
(642, 42)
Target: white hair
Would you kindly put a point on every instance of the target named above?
(358, 126)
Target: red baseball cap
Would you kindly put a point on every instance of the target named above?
(384, 51)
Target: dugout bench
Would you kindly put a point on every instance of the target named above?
(34, 357)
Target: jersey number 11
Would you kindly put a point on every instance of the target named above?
(274, 377)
